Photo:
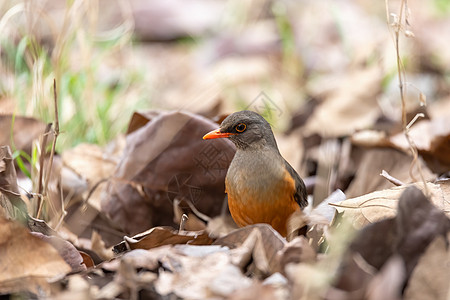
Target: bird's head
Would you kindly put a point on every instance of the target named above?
(246, 129)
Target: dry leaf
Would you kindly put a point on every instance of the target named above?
(417, 224)
(258, 291)
(159, 236)
(388, 283)
(397, 164)
(259, 242)
(93, 165)
(26, 260)
(26, 130)
(348, 107)
(380, 205)
(430, 278)
(432, 139)
(220, 226)
(200, 277)
(296, 251)
(66, 250)
(9, 190)
(167, 160)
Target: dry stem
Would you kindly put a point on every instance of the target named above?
(398, 28)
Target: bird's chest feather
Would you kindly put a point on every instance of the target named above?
(259, 190)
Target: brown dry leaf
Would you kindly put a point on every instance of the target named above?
(174, 19)
(418, 223)
(99, 247)
(66, 250)
(388, 283)
(381, 205)
(9, 190)
(430, 278)
(432, 138)
(256, 291)
(91, 163)
(296, 251)
(26, 130)
(397, 164)
(159, 236)
(348, 107)
(220, 226)
(76, 287)
(87, 259)
(259, 242)
(319, 39)
(407, 235)
(26, 260)
(206, 276)
(164, 160)
(429, 42)
(132, 274)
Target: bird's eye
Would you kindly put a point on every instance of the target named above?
(241, 127)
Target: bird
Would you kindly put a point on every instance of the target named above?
(262, 187)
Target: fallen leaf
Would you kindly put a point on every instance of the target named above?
(373, 161)
(171, 20)
(93, 164)
(220, 226)
(26, 130)
(167, 160)
(159, 236)
(26, 260)
(9, 190)
(388, 283)
(432, 139)
(259, 242)
(349, 106)
(204, 277)
(87, 260)
(429, 280)
(419, 222)
(383, 204)
(407, 235)
(257, 291)
(296, 251)
(66, 250)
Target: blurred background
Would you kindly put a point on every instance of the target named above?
(280, 58)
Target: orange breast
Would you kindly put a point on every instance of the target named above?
(271, 203)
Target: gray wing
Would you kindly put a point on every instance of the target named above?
(300, 196)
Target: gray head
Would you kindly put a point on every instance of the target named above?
(247, 130)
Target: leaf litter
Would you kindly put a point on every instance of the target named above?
(113, 223)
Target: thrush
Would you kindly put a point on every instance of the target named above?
(262, 186)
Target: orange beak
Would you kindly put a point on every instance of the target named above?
(216, 134)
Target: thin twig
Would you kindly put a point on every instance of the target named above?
(397, 25)
(391, 179)
(42, 156)
(52, 153)
(41, 164)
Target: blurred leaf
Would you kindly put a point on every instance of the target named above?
(26, 260)
(160, 236)
(429, 279)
